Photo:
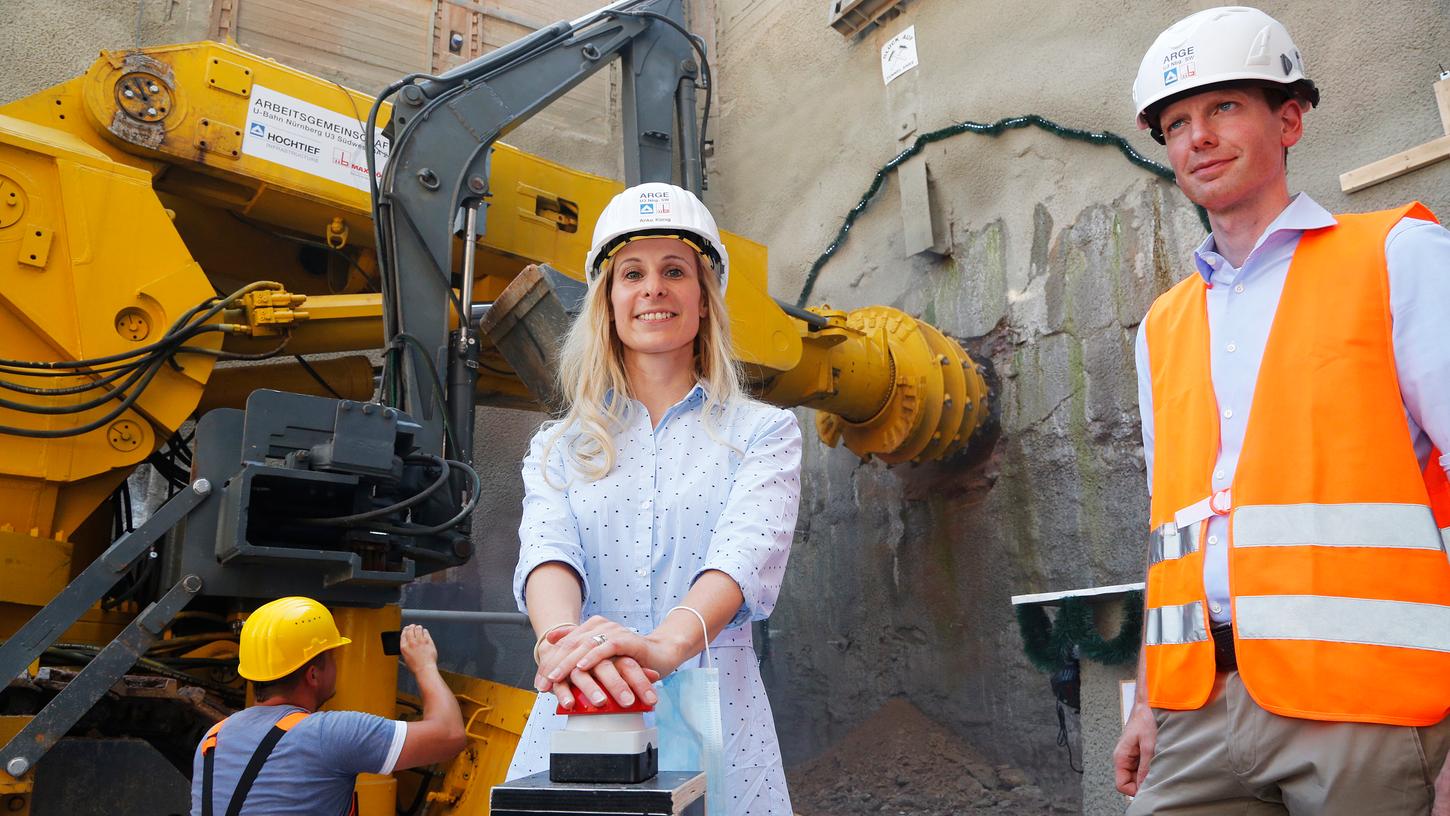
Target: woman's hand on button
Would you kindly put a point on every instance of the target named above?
(600, 657)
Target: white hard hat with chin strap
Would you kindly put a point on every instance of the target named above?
(1218, 46)
(657, 210)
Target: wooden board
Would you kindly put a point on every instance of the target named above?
(365, 44)
(1396, 165)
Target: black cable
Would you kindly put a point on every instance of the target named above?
(993, 129)
(72, 368)
(344, 521)
(136, 372)
(500, 371)
(129, 399)
(139, 573)
(212, 309)
(1062, 740)
(121, 407)
(306, 366)
(438, 388)
(421, 796)
(386, 272)
(476, 487)
(112, 372)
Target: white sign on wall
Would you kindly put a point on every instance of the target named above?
(898, 55)
(298, 134)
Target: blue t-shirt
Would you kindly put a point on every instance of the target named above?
(313, 768)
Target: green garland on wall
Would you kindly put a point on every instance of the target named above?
(1104, 137)
(1048, 642)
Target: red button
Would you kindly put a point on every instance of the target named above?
(582, 705)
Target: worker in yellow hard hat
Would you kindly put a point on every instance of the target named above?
(282, 756)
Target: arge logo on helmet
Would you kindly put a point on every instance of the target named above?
(654, 203)
(1178, 64)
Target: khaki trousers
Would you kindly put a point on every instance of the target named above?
(1233, 757)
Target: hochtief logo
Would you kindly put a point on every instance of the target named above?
(258, 129)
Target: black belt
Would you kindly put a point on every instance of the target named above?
(1223, 647)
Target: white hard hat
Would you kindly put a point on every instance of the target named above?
(1214, 47)
(657, 210)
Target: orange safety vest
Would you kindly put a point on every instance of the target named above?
(1338, 573)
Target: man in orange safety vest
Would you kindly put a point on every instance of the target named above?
(1295, 395)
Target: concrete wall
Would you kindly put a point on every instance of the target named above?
(43, 42)
(900, 578)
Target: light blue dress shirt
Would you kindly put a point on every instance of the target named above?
(684, 497)
(1241, 307)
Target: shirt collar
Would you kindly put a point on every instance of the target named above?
(1302, 214)
(694, 397)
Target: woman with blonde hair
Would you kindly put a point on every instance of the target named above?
(661, 507)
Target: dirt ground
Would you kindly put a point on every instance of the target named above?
(900, 762)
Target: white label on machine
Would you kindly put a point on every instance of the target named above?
(898, 55)
(298, 134)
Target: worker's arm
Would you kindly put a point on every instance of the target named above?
(438, 736)
(1135, 747)
(1418, 256)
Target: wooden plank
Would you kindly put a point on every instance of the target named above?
(319, 21)
(492, 11)
(1442, 98)
(451, 18)
(363, 43)
(1396, 165)
(223, 20)
(339, 55)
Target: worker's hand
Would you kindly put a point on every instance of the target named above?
(417, 649)
(1442, 792)
(1135, 749)
(624, 675)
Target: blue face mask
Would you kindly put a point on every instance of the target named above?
(692, 737)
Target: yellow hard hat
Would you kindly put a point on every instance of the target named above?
(281, 636)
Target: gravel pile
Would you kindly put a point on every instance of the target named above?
(900, 762)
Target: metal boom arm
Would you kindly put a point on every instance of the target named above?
(438, 173)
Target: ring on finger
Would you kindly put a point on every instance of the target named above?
(599, 640)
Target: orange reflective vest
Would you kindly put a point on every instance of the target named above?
(1338, 572)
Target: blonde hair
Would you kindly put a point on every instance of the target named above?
(591, 365)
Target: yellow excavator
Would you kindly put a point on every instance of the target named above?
(287, 298)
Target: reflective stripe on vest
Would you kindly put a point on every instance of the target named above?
(1403, 526)
(1165, 625)
(1343, 620)
(1170, 541)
